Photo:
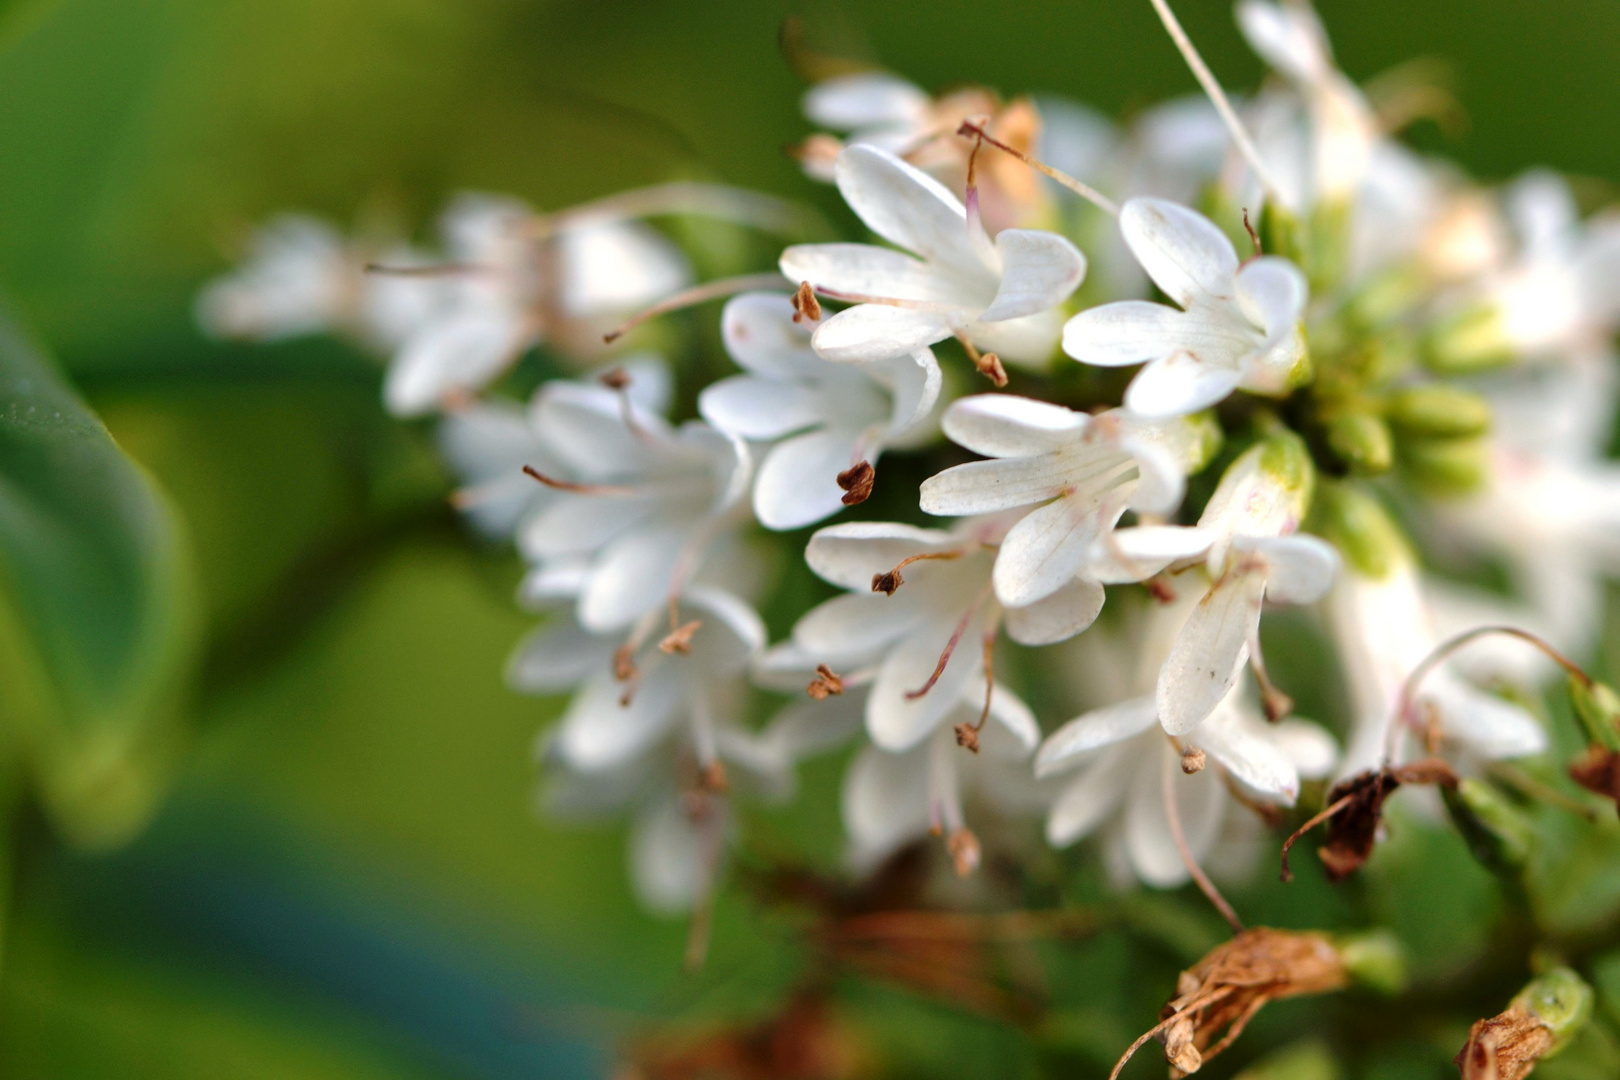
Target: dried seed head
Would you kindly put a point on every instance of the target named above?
(1537, 1024)
(805, 304)
(967, 736)
(857, 481)
(1192, 760)
(886, 583)
(825, 684)
(964, 849)
(679, 640)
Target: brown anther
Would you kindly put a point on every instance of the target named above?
(1224, 991)
(617, 379)
(679, 640)
(1276, 703)
(624, 663)
(1505, 1047)
(964, 849)
(1356, 810)
(888, 582)
(989, 365)
(712, 778)
(967, 737)
(1159, 587)
(826, 683)
(857, 482)
(1598, 769)
(1254, 237)
(805, 304)
(1192, 760)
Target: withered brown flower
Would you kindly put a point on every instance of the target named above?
(1356, 810)
(1597, 769)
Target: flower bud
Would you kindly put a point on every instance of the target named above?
(1537, 1024)
(1361, 529)
(1437, 410)
(1445, 466)
(1390, 294)
(1598, 707)
(1281, 233)
(1375, 959)
(1562, 1001)
(1498, 833)
(1327, 244)
(1362, 441)
(1474, 339)
(1266, 491)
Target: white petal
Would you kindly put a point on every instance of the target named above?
(897, 722)
(1047, 547)
(1185, 253)
(1123, 333)
(1273, 292)
(556, 658)
(598, 732)
(851, 555)
(1161, 480)
(1301, 568)
(451, 356)
(865, 99)
(666, 858)
(584, 426)
(906, 207)
(1097, 728)
(1005, 425)
(1179, 384)
(610, 267)
(810, 727)
(1013, 717)
(798, 480)
(1057, 617)
(759, 333)
(1088, 800)
(1027, 342)
(885, 800)
(577, 524)
(857, 626)
(1139, 552)
(1484, 723)
(1308, 746)
(1289, 38)
(649, 382)
(732, 631)
(988, 487)
(868, 332)
(868, 270)
(914, 384)
(751, 407)
(631, 578)
(1039, 270)
(1251, 759)
(1200, 804)
(1209, 653)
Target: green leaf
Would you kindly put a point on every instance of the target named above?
(97, 613)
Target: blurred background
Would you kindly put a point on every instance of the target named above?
(286, 827)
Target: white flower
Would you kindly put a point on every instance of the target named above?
(1252, 558)
(826, 417)
(1112, 762)
(645, 506)
(1086, 470)
(1002, 296)
(924, 642)
(1384, 629)
(517, 280)
(301, 276)
(487, 443)
(1238, 327)
(875, 108)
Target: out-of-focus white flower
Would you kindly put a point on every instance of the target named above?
(301, 276)
(1384, 629)
(644, 506)
(1254, 556)
(487, 443)
(1002, 296)
(1111, 763)
(1238, 327)
(1086, 470)
(518, 278)
(824, 417)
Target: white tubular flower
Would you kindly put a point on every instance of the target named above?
(825, 418)
(1238, 327)
(1254, 557)
(1086, 470)
(1343, 130)
(519, 279)
(644, 504)
(1000, 296)
(875, 108)
(1384, 629)
(487, 444)
(302, 276)
(922, 614)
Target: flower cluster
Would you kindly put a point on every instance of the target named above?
(1348, 365)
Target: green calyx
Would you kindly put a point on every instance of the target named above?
(1598, 708)
(1361, 529)
(1498, 833)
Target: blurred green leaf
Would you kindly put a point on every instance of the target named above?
(98, 620)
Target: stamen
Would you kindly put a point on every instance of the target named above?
(1192, 760)
(1331, 811)
(967, 735)
(624, 663)
(435, 270)
(1217, 97)
(1254, 237)
(965, 852)
(950, 647)
(1276, 703)
(805, 304)
(1197, 872)
(826, 684)
(857, 481)
(989, 364)
(886, 301)
(1159, 587)
(579, 489)
(1084, 190)
(977, 236)
(889, 582)
(617, 379)
(698, 294)
(679, 638)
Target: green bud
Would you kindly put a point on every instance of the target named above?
(1445, 466)
(1376, 960)
(1281, 233)
(1498, 833)
(1433, 409)
(1207, 438)
(1362, 441)
(1562, 1001)
(1355, 523)
(1469, 341)
(1389, 295)
(1598, 707)
(1268, 487)
(1302, 1061)
(1327, 246)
